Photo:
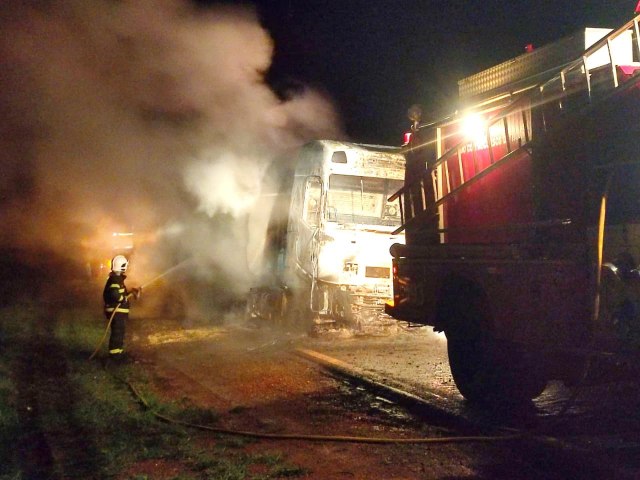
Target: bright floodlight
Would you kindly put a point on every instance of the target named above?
(474, 127)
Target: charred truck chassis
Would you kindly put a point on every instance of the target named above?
(329, 307)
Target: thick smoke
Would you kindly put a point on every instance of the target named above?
(143, 115)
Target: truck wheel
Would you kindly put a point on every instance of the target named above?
(485, 370)
(341, 308)
(298, 315)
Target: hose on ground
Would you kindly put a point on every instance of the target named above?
(316, 438)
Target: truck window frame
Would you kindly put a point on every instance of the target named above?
(313, 193)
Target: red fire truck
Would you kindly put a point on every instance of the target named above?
(520, 213)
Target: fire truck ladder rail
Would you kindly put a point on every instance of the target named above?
(432, 209)
(414, 205)
(580, 65)
(408, 210)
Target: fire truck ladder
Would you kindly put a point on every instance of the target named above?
(575, 80)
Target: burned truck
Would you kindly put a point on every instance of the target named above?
(326, 257)
(520, 211)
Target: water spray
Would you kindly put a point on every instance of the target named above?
(166, 272)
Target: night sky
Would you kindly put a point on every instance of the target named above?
(376, 58)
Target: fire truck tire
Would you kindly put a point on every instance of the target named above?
(486, 373)
(485, 370)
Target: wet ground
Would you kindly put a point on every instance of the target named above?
(268, 378)
(597, 421)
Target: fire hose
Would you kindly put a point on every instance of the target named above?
(514, 435)
(106, 330)
(308, 437)
(317, 438)
(517, 435)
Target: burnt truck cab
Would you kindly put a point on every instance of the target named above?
(327, 259)
(519, 214)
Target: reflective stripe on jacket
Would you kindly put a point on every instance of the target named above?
(115, 294)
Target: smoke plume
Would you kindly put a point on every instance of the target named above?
(149, 116)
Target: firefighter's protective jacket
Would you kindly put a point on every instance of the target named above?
(115, 292)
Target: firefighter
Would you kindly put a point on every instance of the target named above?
(116, 304)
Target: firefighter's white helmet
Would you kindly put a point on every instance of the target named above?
(119, 264)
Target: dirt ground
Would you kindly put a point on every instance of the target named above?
(255, 382)
(255, 387)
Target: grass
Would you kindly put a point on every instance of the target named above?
(72, 418)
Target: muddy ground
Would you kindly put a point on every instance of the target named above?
(254, 379)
